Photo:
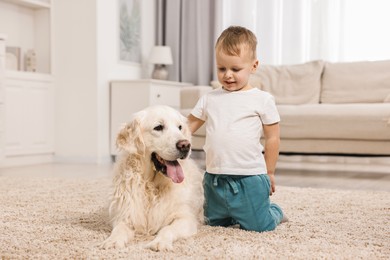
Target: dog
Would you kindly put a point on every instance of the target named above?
(157, 187)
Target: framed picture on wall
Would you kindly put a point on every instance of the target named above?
(130, 31)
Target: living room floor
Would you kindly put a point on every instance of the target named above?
(285, 177)
(334, 179)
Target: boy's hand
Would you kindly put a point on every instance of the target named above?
(272, 179)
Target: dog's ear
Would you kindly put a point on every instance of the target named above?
(130, 136)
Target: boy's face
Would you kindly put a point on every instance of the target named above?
(234, 71)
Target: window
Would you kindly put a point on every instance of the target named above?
(291, 32)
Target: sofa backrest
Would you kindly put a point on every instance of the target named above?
(291, 84)
(323, 82)
(356, 82)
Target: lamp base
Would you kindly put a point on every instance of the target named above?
(160, 72)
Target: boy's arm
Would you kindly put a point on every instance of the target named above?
(194, 123)
(271, 150)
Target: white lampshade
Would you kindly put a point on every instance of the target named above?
(161, 55)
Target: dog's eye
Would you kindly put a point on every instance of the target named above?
(159, 128)
(180, 127)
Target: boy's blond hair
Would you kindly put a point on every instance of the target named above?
(234, 38)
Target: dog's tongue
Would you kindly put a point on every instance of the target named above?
(174, 171)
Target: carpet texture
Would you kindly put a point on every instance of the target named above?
(55, 218)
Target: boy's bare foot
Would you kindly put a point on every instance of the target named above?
(284, 219)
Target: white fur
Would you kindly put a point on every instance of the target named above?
(145, 201)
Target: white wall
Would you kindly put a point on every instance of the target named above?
(85, 60)
(109, 67)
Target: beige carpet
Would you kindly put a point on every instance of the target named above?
(65, 218)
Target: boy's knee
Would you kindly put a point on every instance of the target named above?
(264, 222)
(220, 222)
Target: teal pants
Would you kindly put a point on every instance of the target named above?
(242, 200)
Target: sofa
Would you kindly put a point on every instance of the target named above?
(325, 108)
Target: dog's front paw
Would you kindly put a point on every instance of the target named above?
(120, 236)
(159, 244)
(113, 243)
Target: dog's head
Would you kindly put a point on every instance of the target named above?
(161, 134)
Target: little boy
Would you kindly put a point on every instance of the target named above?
(239, 179)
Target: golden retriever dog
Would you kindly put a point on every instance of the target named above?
(157, 188)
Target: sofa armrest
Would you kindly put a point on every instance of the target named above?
(190, 95)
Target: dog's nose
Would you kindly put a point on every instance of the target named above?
(183, 146)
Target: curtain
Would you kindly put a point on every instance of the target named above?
(365, 35)
(282, 27)
(188, 28)
(291, 32)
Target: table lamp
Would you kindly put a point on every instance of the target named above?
(160, 56)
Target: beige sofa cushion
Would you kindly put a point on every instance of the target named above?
(190, 95)
(343, 121)
(356, 82)
(291, 84)
(387, 99)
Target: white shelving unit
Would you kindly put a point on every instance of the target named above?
(28, 113)
(27, 24)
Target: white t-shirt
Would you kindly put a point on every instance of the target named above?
(234, 126)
